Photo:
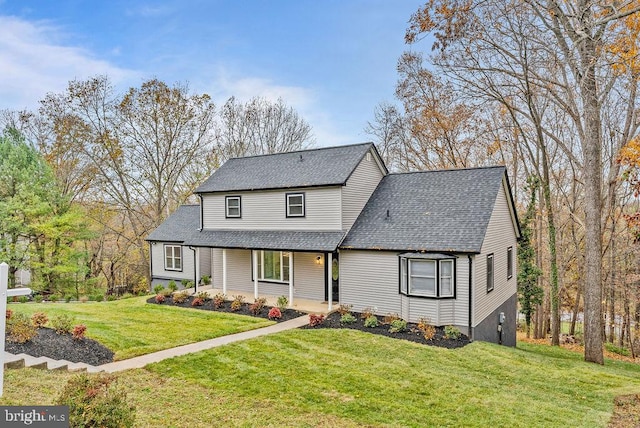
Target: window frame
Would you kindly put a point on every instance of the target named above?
(226, 206)
(405, 277)
(173, 257)
(490, 272)
(284, 266)
(509, 262)
(288, 205)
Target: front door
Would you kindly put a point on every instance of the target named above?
(335, 277)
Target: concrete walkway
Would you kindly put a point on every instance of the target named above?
(143, 360)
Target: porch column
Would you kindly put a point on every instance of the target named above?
(291, 279)
(224, 271)
(329, 272)
(255, 274)
(196, 270)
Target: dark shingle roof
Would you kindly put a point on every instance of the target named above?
(268, 240)
(438, 211)
(179, 226)
(317, 167)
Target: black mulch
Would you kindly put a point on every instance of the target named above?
(48, 343)
(412, 333)
(287, 314)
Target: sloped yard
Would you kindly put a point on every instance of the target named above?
(131, 327)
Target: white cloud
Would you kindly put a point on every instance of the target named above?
(34, 62)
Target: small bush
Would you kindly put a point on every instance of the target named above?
(158, 288)
(275, 313)
(257, 305)
(53, 298)
(39, 319)
(316, 319)
(23, 299)
(78, 332)
(96, 401)
(367, 312)
(197, 302)
(185, 283)
(344, 309)
(9, 314)
(398, 326)
(282, 303)
(389, 318)
(172, 286)
(67, 299)
(427, 329)
(20, 329)
(237, 302)
(62, 323)
(166, 292)
(160, 298)
(202, 295)
(206, 279)
(452, 332)
(180, 297)
(371, 321)
(347, 318)
(218, 300)
(620, 350)
(38, 298)
(84, 299)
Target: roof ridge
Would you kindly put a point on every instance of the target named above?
(315, 149)
(449, 169)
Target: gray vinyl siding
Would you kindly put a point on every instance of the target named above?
(266, 210)
(359, 187)
(205, 262)
(157, 260)
(371, 279)
(500, 235)
(216, 265)
(308, 276)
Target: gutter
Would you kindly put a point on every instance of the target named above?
(470, 297)
(195, 270)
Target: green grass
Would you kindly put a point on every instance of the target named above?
(347, 378)
(131, 327)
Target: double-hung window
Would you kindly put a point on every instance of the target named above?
(295, 205)
(173, 257)
(233, 206)
(273, 266)
(427, 277)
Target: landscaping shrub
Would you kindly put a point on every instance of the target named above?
(39, 319)
(62, 323)
(23, 299)
(96, 401)
(371, 321)
(206, 279)
(38, 298)
(389, 318)
(172, 286)
(282, 303)
(185, 283)
(20, 329)
(78, 331)
(197, 302)
(180, 297)
(316, 319)
(53, 298)
(347, 318)
(427, 329)
(158, 288)
(257, 305)
(237, 302)
(9, 314)
(367, 312)
(398, 326)
(218, 300)
(203, 295)
(275, 313)
(344, 309)
(452, 332)
(160, 298)
(84, 299)
(166, 292)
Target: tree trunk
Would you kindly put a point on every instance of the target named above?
(574, 315)
(612, 287)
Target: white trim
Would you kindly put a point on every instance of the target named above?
(291, 279)
(255, 277)
(329, 273)
(172, 257)
(224, 271)
(226, 206)
(301, 205)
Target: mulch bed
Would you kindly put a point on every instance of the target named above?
(287, 314)
(412, 333)
(48, 343)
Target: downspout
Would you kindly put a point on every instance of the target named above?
(195, 271)
(150, 265)
(201, 213)
(470, 297)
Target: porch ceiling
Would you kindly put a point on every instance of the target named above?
(268, 240)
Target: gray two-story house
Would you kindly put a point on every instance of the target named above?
(333, 225)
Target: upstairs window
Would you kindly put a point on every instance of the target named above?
(427, 277)
(295, 205)
(489, 272)
(233, 207)
(509, 262)
(173, 257)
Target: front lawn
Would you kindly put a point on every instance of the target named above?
(131, 327)
(327, 378)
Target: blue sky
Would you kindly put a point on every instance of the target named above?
(332, 60)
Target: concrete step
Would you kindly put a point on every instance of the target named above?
(12, 361)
